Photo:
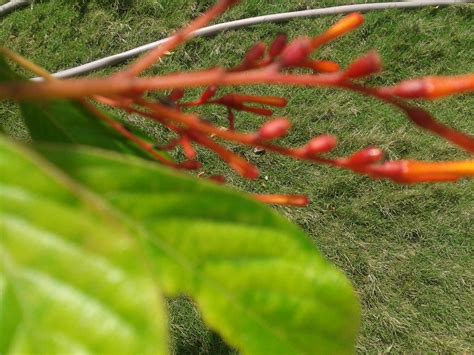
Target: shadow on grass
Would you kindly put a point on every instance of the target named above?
(117, 6)
(188, 333)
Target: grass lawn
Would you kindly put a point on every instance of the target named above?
(407, 249)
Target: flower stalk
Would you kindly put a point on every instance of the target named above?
(273, 65)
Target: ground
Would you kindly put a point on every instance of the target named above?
(407, 249)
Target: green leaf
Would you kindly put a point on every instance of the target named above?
(72, 280)
(257, 279)
(67, 122)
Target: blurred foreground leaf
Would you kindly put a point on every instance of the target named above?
(65, 121)
(257, 279)
(71, 279)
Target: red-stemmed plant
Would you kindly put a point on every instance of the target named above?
(272, 65)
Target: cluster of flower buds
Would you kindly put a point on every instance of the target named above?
(273, 65)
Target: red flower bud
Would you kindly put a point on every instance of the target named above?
(188, 149)
(277, 46)
(365, 157)
(255, 53)
(296, 52)
(322, 66)
(320, 144)
(366, 65)
(274, 129)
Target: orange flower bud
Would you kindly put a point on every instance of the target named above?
(340, 28)
(411, 171)
(434, 87)
(322, 66)
(417, 171)
(188, 149)
(283, 200)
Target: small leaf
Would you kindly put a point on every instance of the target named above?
(67, 122)
(257, 279)
(71, 278)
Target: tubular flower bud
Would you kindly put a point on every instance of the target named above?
(274, 129)
(424, 120)
(283, 200)
(340, 28)
(365, 157)
(254, 54)
(411, 171)
(320, 144)
(296, 52)
(256, 110)
(268, 100)
(432, 88)
(277, 46)
(188, 149)
(437, 171)
(364, 66)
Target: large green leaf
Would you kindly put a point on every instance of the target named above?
(257, 279)
(71, 278)
(66, 122)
